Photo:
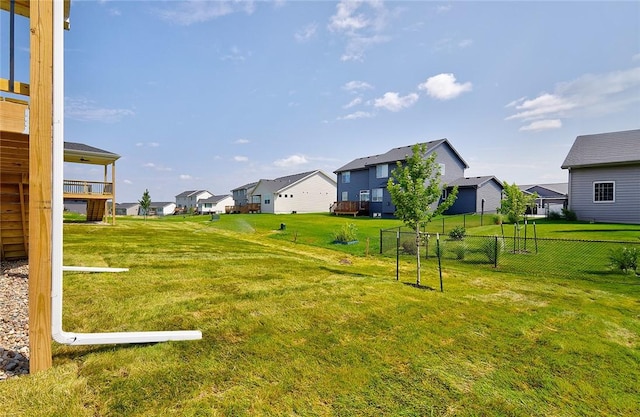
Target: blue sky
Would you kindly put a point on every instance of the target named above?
(212, 95)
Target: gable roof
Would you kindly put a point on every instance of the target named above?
(473, 181)
(246, 186)
(546, 190)
(214, 199)
(85, 154)
(613, 148)
(396, 154)
(189, 193)
(161, 204)
(127, 205)
(279, 184)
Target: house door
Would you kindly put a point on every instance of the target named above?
(364, 199)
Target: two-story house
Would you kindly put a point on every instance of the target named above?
(362, 183)
(188, 200)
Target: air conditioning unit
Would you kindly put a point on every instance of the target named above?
(379, 215)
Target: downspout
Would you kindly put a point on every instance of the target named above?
(57, 202)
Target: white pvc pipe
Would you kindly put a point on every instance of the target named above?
(57, 208)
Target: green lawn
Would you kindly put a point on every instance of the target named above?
(296, 325)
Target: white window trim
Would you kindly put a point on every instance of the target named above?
(345, 196)
(387, 170)
(346, 177)
(374, 198)
(593, 192)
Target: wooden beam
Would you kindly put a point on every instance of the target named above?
(40, 187)
(18, 87)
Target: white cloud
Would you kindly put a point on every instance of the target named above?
(353, 103)
(465, 43)
(355, 86)
(128, 182)
(589, 95)
(185, 177)
(149, 165)
(361, 24)
(197, 11)
(444, 87)
(393, 101)
(444, 9)
(239, 158)
(235, 54)
(636, 57)
(543, 125)
(356, 115)
(88, 111)
(241, 141)
(307, 33)
(293, 160)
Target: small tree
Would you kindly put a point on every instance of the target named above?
(415, 190)
(515, 202)
(145, 203)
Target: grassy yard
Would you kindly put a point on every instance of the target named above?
(294, 324)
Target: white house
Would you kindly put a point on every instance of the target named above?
(164, 208)
(307, 192)
(188, 200)
(214, 204)
(127, 209)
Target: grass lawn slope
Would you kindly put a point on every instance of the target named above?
(295, 325)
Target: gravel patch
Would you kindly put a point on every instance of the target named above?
(14, 319)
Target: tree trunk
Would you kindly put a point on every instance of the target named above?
(418, 254)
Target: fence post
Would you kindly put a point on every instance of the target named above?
(380, 241)
(464, 221)
(439, 261)
(525, 234)
(495, 252)
(443, 225)
(535, 236)
(397, 255)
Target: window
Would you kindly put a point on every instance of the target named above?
(604, 192)
(442, 169)
(345, 196)
(346, 177)
(267, 199)
(376, 195)
(364, 195)
(445, 194)
(382, 171)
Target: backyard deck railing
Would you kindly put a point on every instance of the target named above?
(87, 189)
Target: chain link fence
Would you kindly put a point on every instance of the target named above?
(526, 255)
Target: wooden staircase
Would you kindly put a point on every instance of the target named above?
(95, 210)
(14, 216)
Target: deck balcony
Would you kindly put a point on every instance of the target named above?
(81, 190)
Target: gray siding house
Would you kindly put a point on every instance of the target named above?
(364, 181)
(604, 177)
(476, 195)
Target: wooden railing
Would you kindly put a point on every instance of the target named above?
(246, 208)
(349, 207)
(87, 189)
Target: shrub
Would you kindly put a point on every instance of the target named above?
(569, 215)
(624, 259)
(490, 250)
(457, 233)
(409, 246)
(497, 219)
(554, 215)
(346, 233)
(460, 251)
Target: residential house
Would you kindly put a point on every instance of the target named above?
(214, 204)
(127, 209)
(476, 195)
(164, 208)
(362, 183)
(307, 192)
(242, 202)
(551, 198)
(188, 200)
(604, 177)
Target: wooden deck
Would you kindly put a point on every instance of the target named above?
(352, 208)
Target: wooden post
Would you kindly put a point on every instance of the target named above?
(40, 183)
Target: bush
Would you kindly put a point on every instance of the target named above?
(457, 233)
(460, 251)
(492, 253)
(497, 219)
(569, 215)
(554, 215)
(347, 233)
(410, 247)
(624, 259)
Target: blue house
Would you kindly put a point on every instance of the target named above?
(362, 183)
